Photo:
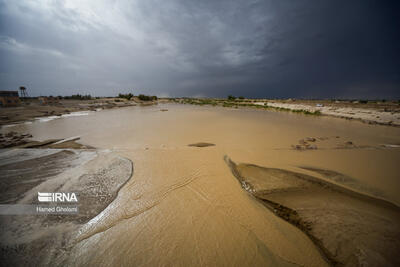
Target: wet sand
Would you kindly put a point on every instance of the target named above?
(350, 228)
(183, 206)
(36, 240)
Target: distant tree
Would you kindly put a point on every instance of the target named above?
(126, 96)
(145, 97)
(241, 97)
(79, 97)
(231, 97)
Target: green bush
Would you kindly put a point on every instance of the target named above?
(147, 97)
(126, 96)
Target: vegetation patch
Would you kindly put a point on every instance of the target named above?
(126, 96)
(233, 102)
(147, 97)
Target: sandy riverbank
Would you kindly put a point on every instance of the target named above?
(386, 114)
(32, 109)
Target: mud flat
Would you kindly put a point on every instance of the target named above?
(350, 228)
(31, 109)
(36, 240)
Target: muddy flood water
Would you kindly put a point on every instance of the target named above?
(275, 188)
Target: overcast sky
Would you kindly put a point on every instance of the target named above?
(280, 48)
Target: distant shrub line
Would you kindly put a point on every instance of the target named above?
(233, 103)
(77, 97)
(140, 97)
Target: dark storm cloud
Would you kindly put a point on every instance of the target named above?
(202, 48)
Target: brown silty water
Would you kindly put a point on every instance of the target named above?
(183, 205)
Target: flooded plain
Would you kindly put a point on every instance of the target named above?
(184, 206)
